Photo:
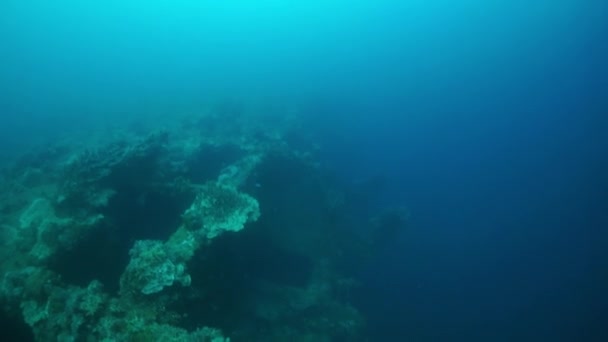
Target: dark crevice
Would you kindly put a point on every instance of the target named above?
(210, 160)
(131, 215)
(14, 329)
(231, 269)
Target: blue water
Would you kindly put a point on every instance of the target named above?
(487, 119)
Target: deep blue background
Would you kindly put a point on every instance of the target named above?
(506, 178)
(508, 233)
(487, 119)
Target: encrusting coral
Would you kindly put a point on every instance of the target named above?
(216, 209)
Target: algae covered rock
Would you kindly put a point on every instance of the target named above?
(45, 232)
(219, 208)
(150, 269)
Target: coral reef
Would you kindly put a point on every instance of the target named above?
(213, 229)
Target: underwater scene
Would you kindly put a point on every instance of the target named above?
(281, 170)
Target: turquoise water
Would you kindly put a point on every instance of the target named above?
(486, 120)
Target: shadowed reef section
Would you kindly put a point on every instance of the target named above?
(210, 229)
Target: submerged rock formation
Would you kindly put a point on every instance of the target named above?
(212, 230)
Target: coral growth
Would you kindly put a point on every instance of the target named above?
(253, 233)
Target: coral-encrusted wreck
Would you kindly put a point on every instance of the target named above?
(212, 230)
